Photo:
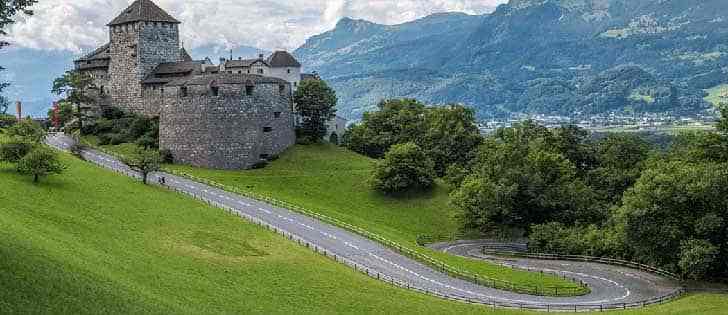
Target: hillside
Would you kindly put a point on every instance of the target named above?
(110, 245)
(534, 56)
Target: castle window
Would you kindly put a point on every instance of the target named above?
(289, 71)
(277, 114)
(281, 88)
(261, 71)
(267, 129)
(248, 71)
(102, 90)
(215, 91)
(249, 90)
(183, 91)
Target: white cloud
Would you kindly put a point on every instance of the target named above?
(77, 25)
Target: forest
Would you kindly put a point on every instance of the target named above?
(567, 191)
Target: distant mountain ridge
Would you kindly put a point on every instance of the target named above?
(534, 56)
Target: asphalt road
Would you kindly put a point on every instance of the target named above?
(602, 279)
(609, 285)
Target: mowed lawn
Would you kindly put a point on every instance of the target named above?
(333, 181)
(94, 242)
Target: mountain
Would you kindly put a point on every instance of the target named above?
(534, 56)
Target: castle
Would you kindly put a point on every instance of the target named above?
(227, 116)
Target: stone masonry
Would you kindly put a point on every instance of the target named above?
(209, 116)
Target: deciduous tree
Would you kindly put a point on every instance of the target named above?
(27, 130)
(316, 104)
(451, 136)
(39, 163)
(145, 162)
(405, 167)
(396, 122)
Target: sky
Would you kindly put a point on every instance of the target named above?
(80, 25)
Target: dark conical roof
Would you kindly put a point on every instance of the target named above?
(143, 10)
(283, 59)
(184, 56)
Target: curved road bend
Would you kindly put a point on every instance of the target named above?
(601, 278)
(611, 287)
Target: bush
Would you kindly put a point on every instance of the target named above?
(260, 165)
(14, 151)
(166, 156)
(27, 130)
(405, 167)
(697, 258)
(117, 138)
(7, 120)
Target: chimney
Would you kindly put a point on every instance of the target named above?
(19, 110)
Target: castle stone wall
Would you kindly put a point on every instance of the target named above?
(228, 131)
(136, 49)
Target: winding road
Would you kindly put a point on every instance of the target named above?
(609, 285)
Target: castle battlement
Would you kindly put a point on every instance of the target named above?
(227, 116)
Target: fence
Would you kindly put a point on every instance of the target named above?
(447, 296)
(602, 260)
(580, 289)
(410, 253)
(563, 291)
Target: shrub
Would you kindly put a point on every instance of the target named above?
(117, 138)
(405, 167)
(14, 151)
(7, 120)
(166, 156)
(27, 130)
(260, 165)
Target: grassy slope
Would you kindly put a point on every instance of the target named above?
(333, 181)
(717, 94)
(95, 242)
(72, 245)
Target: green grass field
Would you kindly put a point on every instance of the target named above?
(94, 242)
(333, 181)
(718, 94)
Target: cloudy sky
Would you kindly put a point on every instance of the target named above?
(76, 25)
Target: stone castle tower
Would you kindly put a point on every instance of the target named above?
(141, 37)
(228, 116)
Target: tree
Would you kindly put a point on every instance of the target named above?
(405, 167)
(39, 163)
(723, 122)
(316, 104)
(396, 122)
(144, 161)
(518, 179)
(75, 86)
(620, 159)
(674, 201)
(66, 113)
(13, 152)
(451, 136)
(697, 259)
(27, 130)
(8, 10)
